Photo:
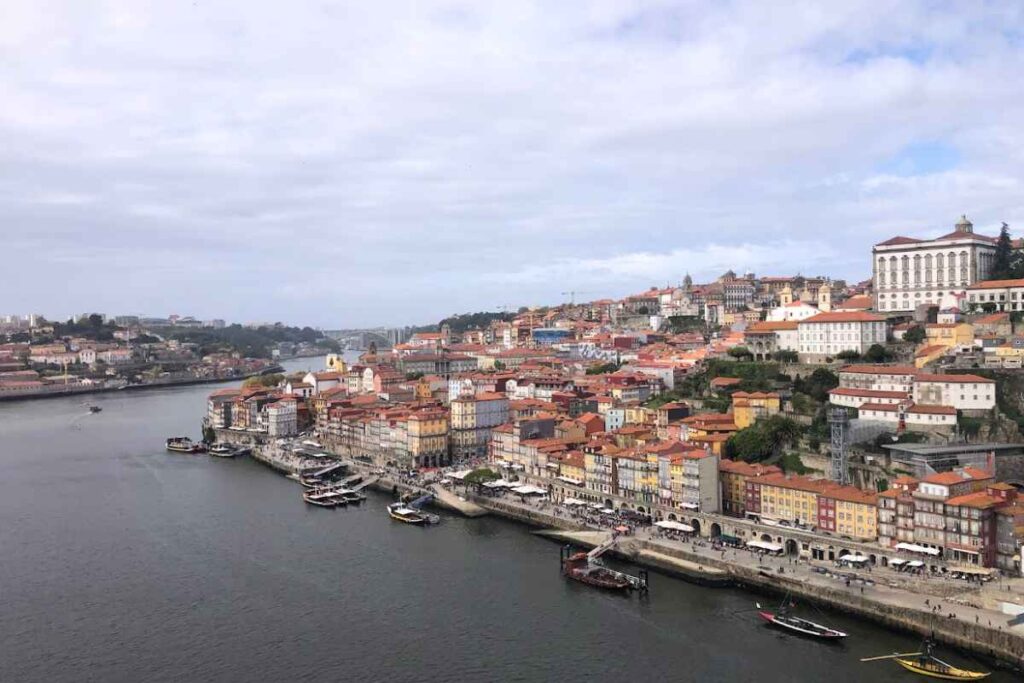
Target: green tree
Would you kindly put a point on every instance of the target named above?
(914, 335)
(481, 475)
(740, 352)
(785, 356)
(848, 355)
(1002, 264)
(877, 353)
(209, 435)
(989, 307)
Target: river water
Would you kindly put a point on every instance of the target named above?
(122, 562)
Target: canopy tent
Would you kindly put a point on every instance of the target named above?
(499, 484)
(460, 475)
(530, 490)
(765, 545)
(974, 571)
(596, 506)
(674, 526)
(915, 548)
(897, 562)
(915, 563)
(853, 559)
(552, 465)
(622, 529)
(688, 506)
(607, 511)
(570, 480)
(517, 466)
(573, 501)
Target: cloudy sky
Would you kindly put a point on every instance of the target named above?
(353, 163)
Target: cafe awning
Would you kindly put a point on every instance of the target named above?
(570, 480)
(765, 545)
(530, 490)
(674, 526)
(915, 548)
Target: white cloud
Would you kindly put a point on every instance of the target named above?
(384, 163)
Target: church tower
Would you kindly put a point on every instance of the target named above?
(825, 298)
(786, 296)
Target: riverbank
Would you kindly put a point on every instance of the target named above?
(155, 384)
(866, 597)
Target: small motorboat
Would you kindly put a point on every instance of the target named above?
(95, 409)
(353, 497)
(183, 444)
(320, 498)
(223, 450)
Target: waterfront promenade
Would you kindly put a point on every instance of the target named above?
(960, 613)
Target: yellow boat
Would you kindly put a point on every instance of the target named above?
(926, 664)
(936, 668)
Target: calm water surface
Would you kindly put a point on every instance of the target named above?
(122, 562)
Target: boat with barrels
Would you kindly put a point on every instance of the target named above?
(585, 568)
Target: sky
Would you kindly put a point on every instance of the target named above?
(354, 164)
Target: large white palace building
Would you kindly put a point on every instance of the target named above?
(908, 272)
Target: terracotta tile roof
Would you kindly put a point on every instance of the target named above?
(892, 241)
(978, 499)
(996, 284)
(844, 317)
(955, 379)
(883, 407)
(746, 468)
(992, 319)
(932, 410)
(868, 369)
(867, 393)
(772, 326)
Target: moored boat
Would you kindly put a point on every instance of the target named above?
(924, 663)
(223, 450)
(94, 409)
(936, 668)
(579, 568)
(183, 444)
(801, 626)
(405, 514)
(324, 499)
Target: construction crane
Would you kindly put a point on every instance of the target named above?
(572, 295)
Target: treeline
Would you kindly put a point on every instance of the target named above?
(466, 321)
(251, 342)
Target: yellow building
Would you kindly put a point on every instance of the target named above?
(428, 437)
(948, 334)
(790, 498)
(856, 513)
(638, 415)
(573, 466)
(748, 408)
(733, 475)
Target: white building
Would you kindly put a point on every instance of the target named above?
(322, 381)
(962, 392)
(283, 418)
(797, 310)
(908, 272)
(701, 490)
(913, 415)
(1005, 295)
(827, 334)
